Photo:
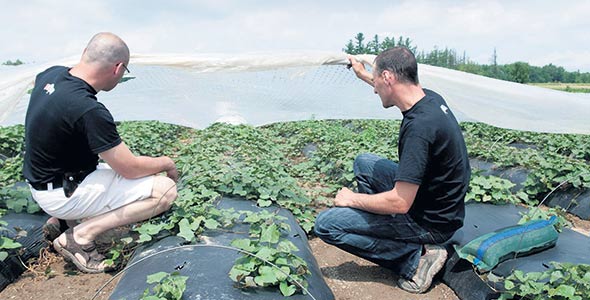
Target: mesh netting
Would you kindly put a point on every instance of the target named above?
(259, 89)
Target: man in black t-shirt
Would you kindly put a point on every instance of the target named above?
(66, 131)
(404, 211)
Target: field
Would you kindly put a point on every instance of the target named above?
(299, 166)
(566, 87)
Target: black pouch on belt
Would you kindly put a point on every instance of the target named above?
(72, 180)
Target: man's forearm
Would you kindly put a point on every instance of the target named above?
(145, 166)
(377, 204)
(383, 203)
(366, 77)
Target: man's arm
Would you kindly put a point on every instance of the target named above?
(360, 71)
(397, 201)
(130, 166)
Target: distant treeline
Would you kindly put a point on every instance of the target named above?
(13, 63)
(520, 72)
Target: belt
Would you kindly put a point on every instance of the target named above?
(56, 183)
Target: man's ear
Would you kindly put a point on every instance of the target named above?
(387, 76)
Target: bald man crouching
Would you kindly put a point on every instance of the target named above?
(66, 131)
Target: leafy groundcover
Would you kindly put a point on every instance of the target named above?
(300, 166)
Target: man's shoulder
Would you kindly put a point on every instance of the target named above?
(49, 74)
(433, 96)
(429, 117)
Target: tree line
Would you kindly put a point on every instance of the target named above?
(12, 63)
(520, 72)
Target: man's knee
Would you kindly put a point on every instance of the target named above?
(323, 227)
(164, 191)
(361, 161)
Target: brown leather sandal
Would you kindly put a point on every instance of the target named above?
(91, 256)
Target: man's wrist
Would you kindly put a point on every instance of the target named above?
(168, 163)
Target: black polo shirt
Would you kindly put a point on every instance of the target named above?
(65, 127)
(432, 154)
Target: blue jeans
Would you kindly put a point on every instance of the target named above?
(392, 241)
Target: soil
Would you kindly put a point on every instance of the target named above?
(348, 276)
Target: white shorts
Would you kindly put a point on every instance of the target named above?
(101, 191)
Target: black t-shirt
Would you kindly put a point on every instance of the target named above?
(432, 154)
(65, 127)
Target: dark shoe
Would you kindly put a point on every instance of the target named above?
(52, 229)
(92, 258)
(430, 263)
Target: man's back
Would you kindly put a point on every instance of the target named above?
(65, 126)
(433, 155)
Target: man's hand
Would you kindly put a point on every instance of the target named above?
(172, 172)
(360, 71)
(130, 166)
(344, 197)
(357, 66)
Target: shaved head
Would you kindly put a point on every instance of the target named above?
(106, 49)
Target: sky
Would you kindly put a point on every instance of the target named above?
(537, 32)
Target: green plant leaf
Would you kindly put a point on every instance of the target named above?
(236, 273)
(270, 234)
(282, 273)
(252, 218)
(156, 277)
(508, 284)
(185, 230)
(287, 289)
(244, 244)
(144, 238)
(563, 290)
(266, 277)
(555, 276)
(266, 253)
(212, 224)
(264, 203)
(6, 243)
(286, 246)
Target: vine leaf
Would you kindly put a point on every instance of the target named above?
(287, 289)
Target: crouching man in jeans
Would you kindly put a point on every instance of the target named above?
(403, 212)
(66, 131)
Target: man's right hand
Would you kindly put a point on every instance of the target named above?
(360, 71)
(130, 166)
(172, 172)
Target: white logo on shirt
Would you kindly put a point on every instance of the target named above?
(49, 88)
(444, 109)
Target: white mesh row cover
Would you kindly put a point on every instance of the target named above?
(197, 90)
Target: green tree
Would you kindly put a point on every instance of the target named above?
(554, 73)
(519, 72)
(360, 45)
(406, 43)
(374, 46)
(349, 48)
(387, 43)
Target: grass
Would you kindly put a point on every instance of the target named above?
(566, 87)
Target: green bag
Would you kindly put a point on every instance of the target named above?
(490, 249)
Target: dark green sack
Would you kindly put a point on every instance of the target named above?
(490, 249)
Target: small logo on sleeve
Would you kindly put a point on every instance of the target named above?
(49, 88)
(444, 108)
